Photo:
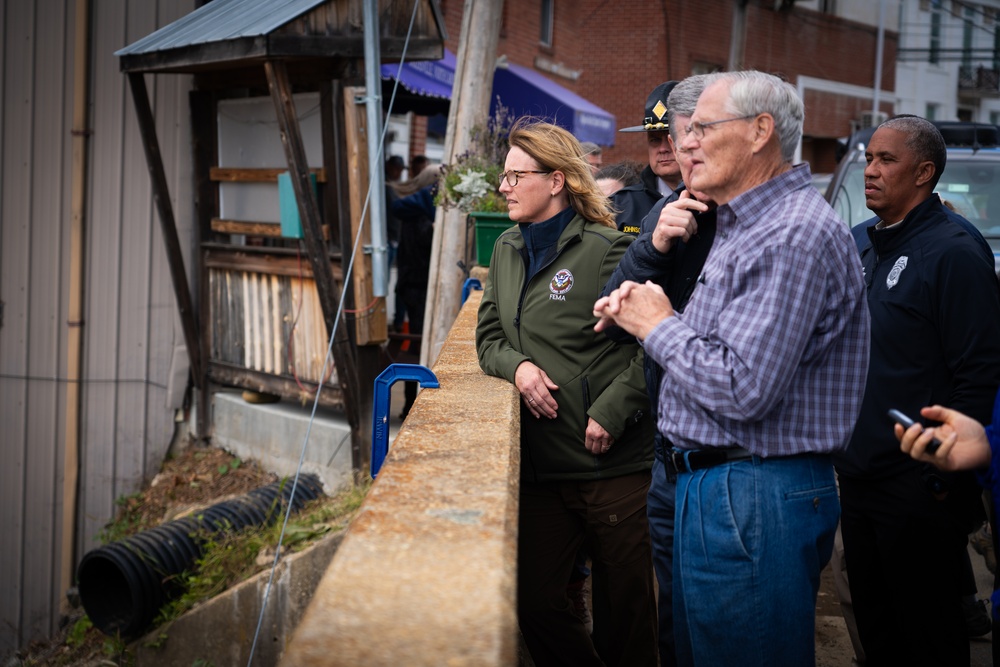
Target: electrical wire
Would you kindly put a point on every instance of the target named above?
(329, 349)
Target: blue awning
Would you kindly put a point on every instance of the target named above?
(430, 78)
(520, 89)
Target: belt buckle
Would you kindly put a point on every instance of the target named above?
(677, 461)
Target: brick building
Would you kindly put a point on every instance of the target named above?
(613, 54)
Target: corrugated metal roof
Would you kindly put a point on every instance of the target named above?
(222, 20)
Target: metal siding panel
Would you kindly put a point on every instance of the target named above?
(138, 226)
(45, 324)
(166, 332)
(102, 268)
(15, 244)
(35, 177)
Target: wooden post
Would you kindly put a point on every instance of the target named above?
(370, 322)
(329, 297)
(204, 139)
(470, 104)
(161, 197)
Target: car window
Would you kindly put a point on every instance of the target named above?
(849, 198)
(970, 185)
(973, 189)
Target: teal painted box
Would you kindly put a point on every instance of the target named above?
(291, 223)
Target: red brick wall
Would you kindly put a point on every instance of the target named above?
(418, 137)
(624, 51)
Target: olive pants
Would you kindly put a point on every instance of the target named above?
(608, 518)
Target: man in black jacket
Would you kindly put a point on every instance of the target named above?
(935, 314)
(661, 177)
(671, 249)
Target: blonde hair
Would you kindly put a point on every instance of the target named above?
(555, 149)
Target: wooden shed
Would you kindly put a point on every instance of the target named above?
(281, 179)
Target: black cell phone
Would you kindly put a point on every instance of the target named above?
(898, 417)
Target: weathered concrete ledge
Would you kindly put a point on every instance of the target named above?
(426, 572)
(220, 632)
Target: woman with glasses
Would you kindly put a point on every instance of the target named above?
(586, 436)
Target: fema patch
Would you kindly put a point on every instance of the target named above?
(561, 283)
(897, 269)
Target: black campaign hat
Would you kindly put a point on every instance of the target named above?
(655, 119)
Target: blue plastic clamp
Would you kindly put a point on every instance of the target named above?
(380, 411)
(469, 285)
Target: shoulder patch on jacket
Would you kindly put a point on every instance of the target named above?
(897, 268)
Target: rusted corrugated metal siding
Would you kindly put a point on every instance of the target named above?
(269, 323)
(131, 329)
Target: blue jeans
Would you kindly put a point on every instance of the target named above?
(752, 538)
(660, 514)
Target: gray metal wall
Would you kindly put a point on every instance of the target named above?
(131, 332)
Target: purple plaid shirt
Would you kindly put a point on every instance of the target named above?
(771, 352)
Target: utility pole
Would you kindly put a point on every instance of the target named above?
(470, 104)
(879, 48)
(738, 37)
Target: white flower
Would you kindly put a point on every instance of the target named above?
(472, 186)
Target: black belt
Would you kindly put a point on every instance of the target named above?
(681, 460)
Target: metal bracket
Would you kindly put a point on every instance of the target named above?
(380, 411)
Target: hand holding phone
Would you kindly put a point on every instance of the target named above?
(900, 418)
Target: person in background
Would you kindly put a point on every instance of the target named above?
(394, 167)
(592, 152)
(904, 522)
(417, 165)
(393, 172)
(613, 177)
(670, 252)
(965, 445)
(415, 213)
(586, 435)
(661, 177)
(762, 380)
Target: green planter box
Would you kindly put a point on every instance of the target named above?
(489, 227)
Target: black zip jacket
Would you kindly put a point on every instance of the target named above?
(633, 202)
(935, 311)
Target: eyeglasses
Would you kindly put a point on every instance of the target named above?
(512, 176)
(697, 130)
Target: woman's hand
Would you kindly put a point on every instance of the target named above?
(598, 440)
(963, 440)
(536, 387)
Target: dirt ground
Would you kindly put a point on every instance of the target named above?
(195, 478)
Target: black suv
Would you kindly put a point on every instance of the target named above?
(970, 183)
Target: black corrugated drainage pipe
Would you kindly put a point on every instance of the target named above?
(124, 584)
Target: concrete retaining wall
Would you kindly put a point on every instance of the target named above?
(426, 572)
(220, 632)
(272, 435)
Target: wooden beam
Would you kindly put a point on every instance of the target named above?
(329, 295)
(370, 329)
(161, 197)
(331, 156)
(250, 175)
(272, 261)
(204, 143)
(251, 228)
(245, 378)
